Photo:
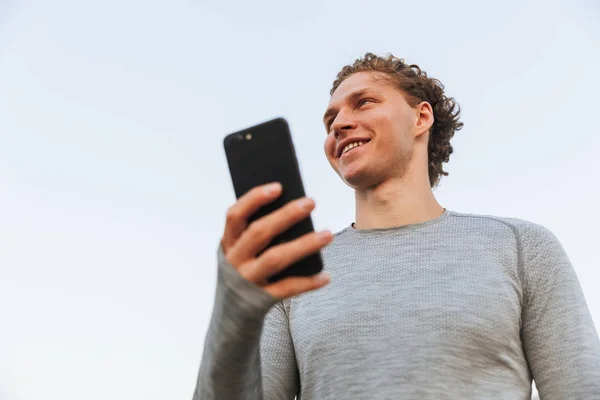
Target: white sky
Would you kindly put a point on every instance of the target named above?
(114, 185)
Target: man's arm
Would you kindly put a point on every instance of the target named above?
(559, 338)
(231, 366)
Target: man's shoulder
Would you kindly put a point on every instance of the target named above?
(523, 229)
(495, 219)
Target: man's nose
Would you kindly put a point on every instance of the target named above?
(343, 124)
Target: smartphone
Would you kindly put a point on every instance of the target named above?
(263, 154)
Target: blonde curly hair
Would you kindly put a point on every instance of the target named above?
(417, 87)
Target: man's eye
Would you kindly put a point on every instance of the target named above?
(363, 101)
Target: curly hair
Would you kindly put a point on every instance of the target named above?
(417, 87)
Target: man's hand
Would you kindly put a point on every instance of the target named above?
(242, 242)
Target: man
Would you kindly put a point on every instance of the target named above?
(423, 303)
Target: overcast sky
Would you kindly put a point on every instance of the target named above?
(114, 184)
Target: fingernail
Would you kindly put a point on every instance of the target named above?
(323, 276)
(272, 188)
(305, 204)
(324, 236)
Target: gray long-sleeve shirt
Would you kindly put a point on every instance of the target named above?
(462, 306)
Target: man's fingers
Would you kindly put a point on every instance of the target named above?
(294, 285)
(262, 231)
(279, 257)
(246, 205)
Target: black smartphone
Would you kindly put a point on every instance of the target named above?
(263, 154)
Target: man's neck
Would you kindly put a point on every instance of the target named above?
(396, 203)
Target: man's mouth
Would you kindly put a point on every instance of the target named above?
(351, 146)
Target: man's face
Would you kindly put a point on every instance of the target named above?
(370, 110)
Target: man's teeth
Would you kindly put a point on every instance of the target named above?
(352, 145)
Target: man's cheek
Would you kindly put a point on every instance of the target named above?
(328, 147)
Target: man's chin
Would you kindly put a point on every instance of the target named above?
(358, 179)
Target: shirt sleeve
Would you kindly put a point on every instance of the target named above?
(559, 337)
(232, 366)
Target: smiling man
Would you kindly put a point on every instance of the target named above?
(423, 302)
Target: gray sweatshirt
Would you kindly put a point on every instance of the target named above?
(459, 307)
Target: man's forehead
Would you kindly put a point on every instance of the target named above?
(358, 82)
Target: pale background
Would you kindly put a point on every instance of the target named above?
(114, 185)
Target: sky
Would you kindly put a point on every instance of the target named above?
(114, 183)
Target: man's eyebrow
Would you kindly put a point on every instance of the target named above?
(352, 97)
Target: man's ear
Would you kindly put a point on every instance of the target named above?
(425, 118)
